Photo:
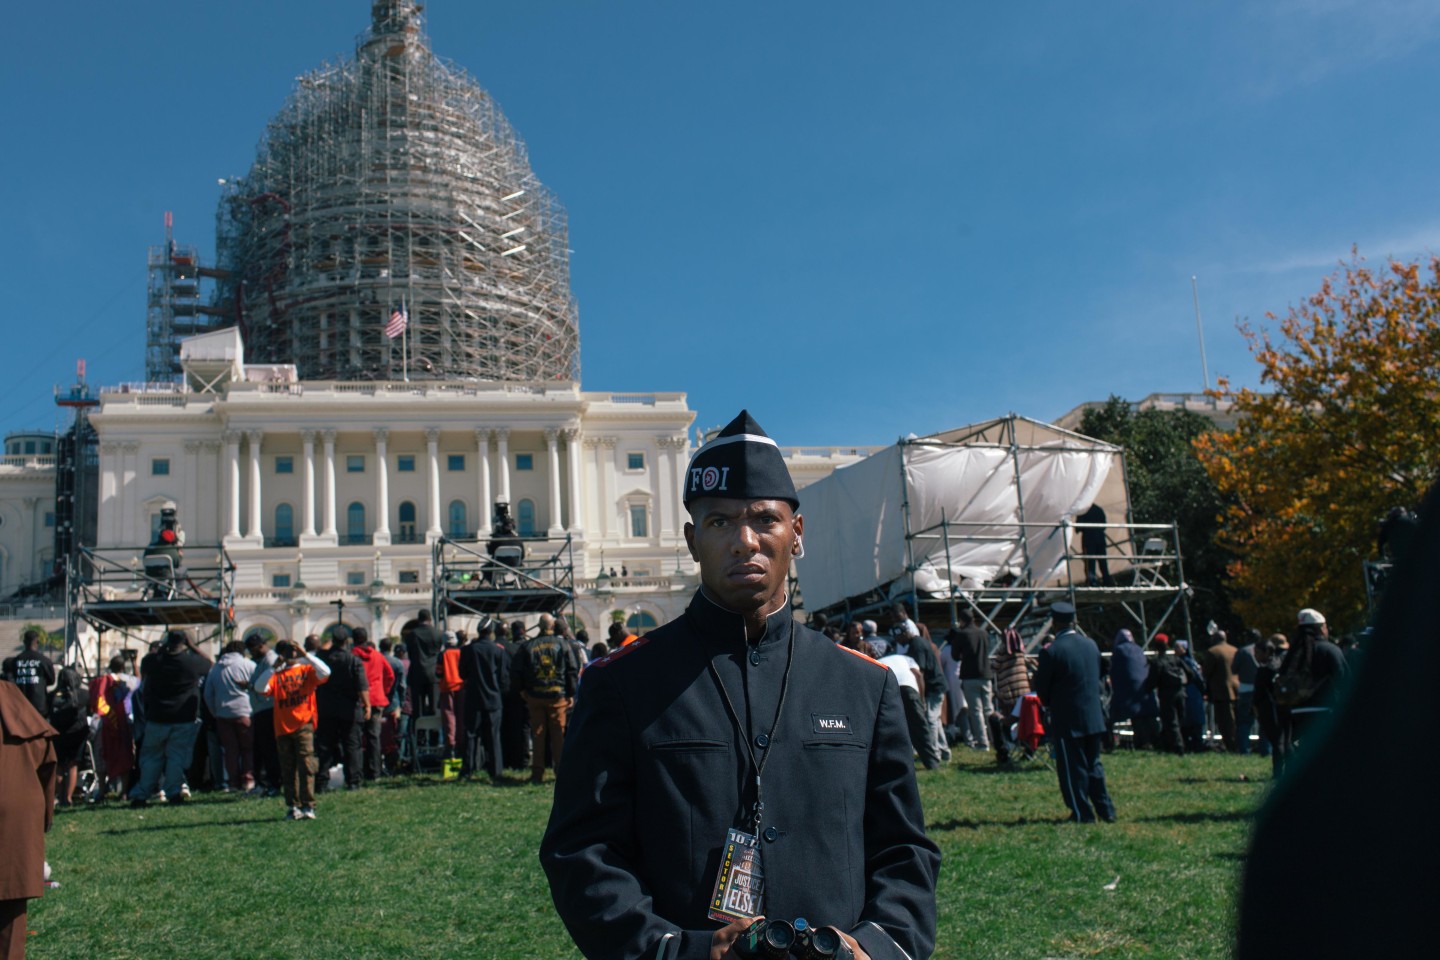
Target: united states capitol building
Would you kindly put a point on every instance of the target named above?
(324, 457)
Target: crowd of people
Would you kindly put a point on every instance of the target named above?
(277, 719)
(968, 689)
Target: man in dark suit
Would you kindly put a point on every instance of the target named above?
(486, 671)
(1068, 683)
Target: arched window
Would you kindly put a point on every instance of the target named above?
(407, 522)
(525, 517)
(640, 623)
(457, 519)
(284, 525)
(355, 523)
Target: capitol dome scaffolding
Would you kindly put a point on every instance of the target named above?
(387, 180)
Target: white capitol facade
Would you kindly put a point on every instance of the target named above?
(325, 491)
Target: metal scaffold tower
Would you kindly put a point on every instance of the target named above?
(175, 305)
(392, 181)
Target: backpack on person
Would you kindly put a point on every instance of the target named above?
(1295, 686)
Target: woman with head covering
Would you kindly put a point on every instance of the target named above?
(1012, 681)
(1131, 699)
(27, 801)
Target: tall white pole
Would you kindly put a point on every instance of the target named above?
(405, 341)
(1200, 330)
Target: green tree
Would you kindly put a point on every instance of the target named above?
(1169, 484)
(1345, 430)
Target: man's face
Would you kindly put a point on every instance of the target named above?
(744, 549)
(853, 631)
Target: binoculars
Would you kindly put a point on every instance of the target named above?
(780, 939)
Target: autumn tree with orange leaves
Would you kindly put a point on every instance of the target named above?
(1345, 426)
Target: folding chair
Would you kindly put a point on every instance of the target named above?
(1029, 733)
(427, 742)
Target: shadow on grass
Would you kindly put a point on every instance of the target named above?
(970, 824)
(419, 780)
(1034, 766)
(1227, 816)
(208, 824)
(1242, 779)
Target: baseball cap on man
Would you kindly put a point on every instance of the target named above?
(742, 463)
(1309, 617)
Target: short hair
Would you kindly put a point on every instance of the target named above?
(234, 646)
(32, 638)
(869, 626)
(176, 638)
(340, 635)
(616, 629)
(462, 636)
(360, 636)
(385, 645)
(423, 616)
(117, 664)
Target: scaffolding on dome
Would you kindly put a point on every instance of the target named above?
(390, 182)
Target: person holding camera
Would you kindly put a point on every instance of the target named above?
(734, 764)
(291, 683)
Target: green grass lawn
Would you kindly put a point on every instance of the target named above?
(419, 868)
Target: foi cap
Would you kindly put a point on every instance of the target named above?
(1309, 617)
(741, 463)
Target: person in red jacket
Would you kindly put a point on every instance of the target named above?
(381, 677)
(452, 691)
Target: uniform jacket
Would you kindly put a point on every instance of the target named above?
(486, 672)
(1068, 683)
(1130, 696)
(655, 771)
(27, 794)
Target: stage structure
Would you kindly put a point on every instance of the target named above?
(509, 577)
(131, 589)
(998, 517)
(391, 227)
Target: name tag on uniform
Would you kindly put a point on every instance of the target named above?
(834, 724)
(740, 886)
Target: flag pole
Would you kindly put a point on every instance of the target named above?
(405, 341)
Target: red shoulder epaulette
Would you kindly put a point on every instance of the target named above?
(617, 654)
(863, 656)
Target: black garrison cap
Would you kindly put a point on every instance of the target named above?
(741, 463)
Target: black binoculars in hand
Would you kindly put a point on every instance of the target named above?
(780, 939)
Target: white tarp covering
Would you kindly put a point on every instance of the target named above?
(855, 528)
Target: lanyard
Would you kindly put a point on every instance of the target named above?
(758, 811)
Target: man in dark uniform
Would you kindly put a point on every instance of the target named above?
(424, 643)
(343, 706)
(1068, 684)
(486, 671)
(735, 729)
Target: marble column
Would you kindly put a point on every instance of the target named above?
(257, 530)
(502, 437)
(572, 454)
(109, 498)
(328, 436)
(552, 458)
(382, 487)
(190, 507)
(602, 525)
(665, 491)
(485, 506)
(307, 437)
(130, 494)
(612, 483)
(232, 484)
(432, 452)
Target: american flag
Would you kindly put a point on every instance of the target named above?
(398, 322)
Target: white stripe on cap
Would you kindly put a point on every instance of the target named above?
(735, 438)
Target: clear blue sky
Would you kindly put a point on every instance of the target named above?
(857, 219)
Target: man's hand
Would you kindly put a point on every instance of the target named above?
(850, 942)
(723, 939)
